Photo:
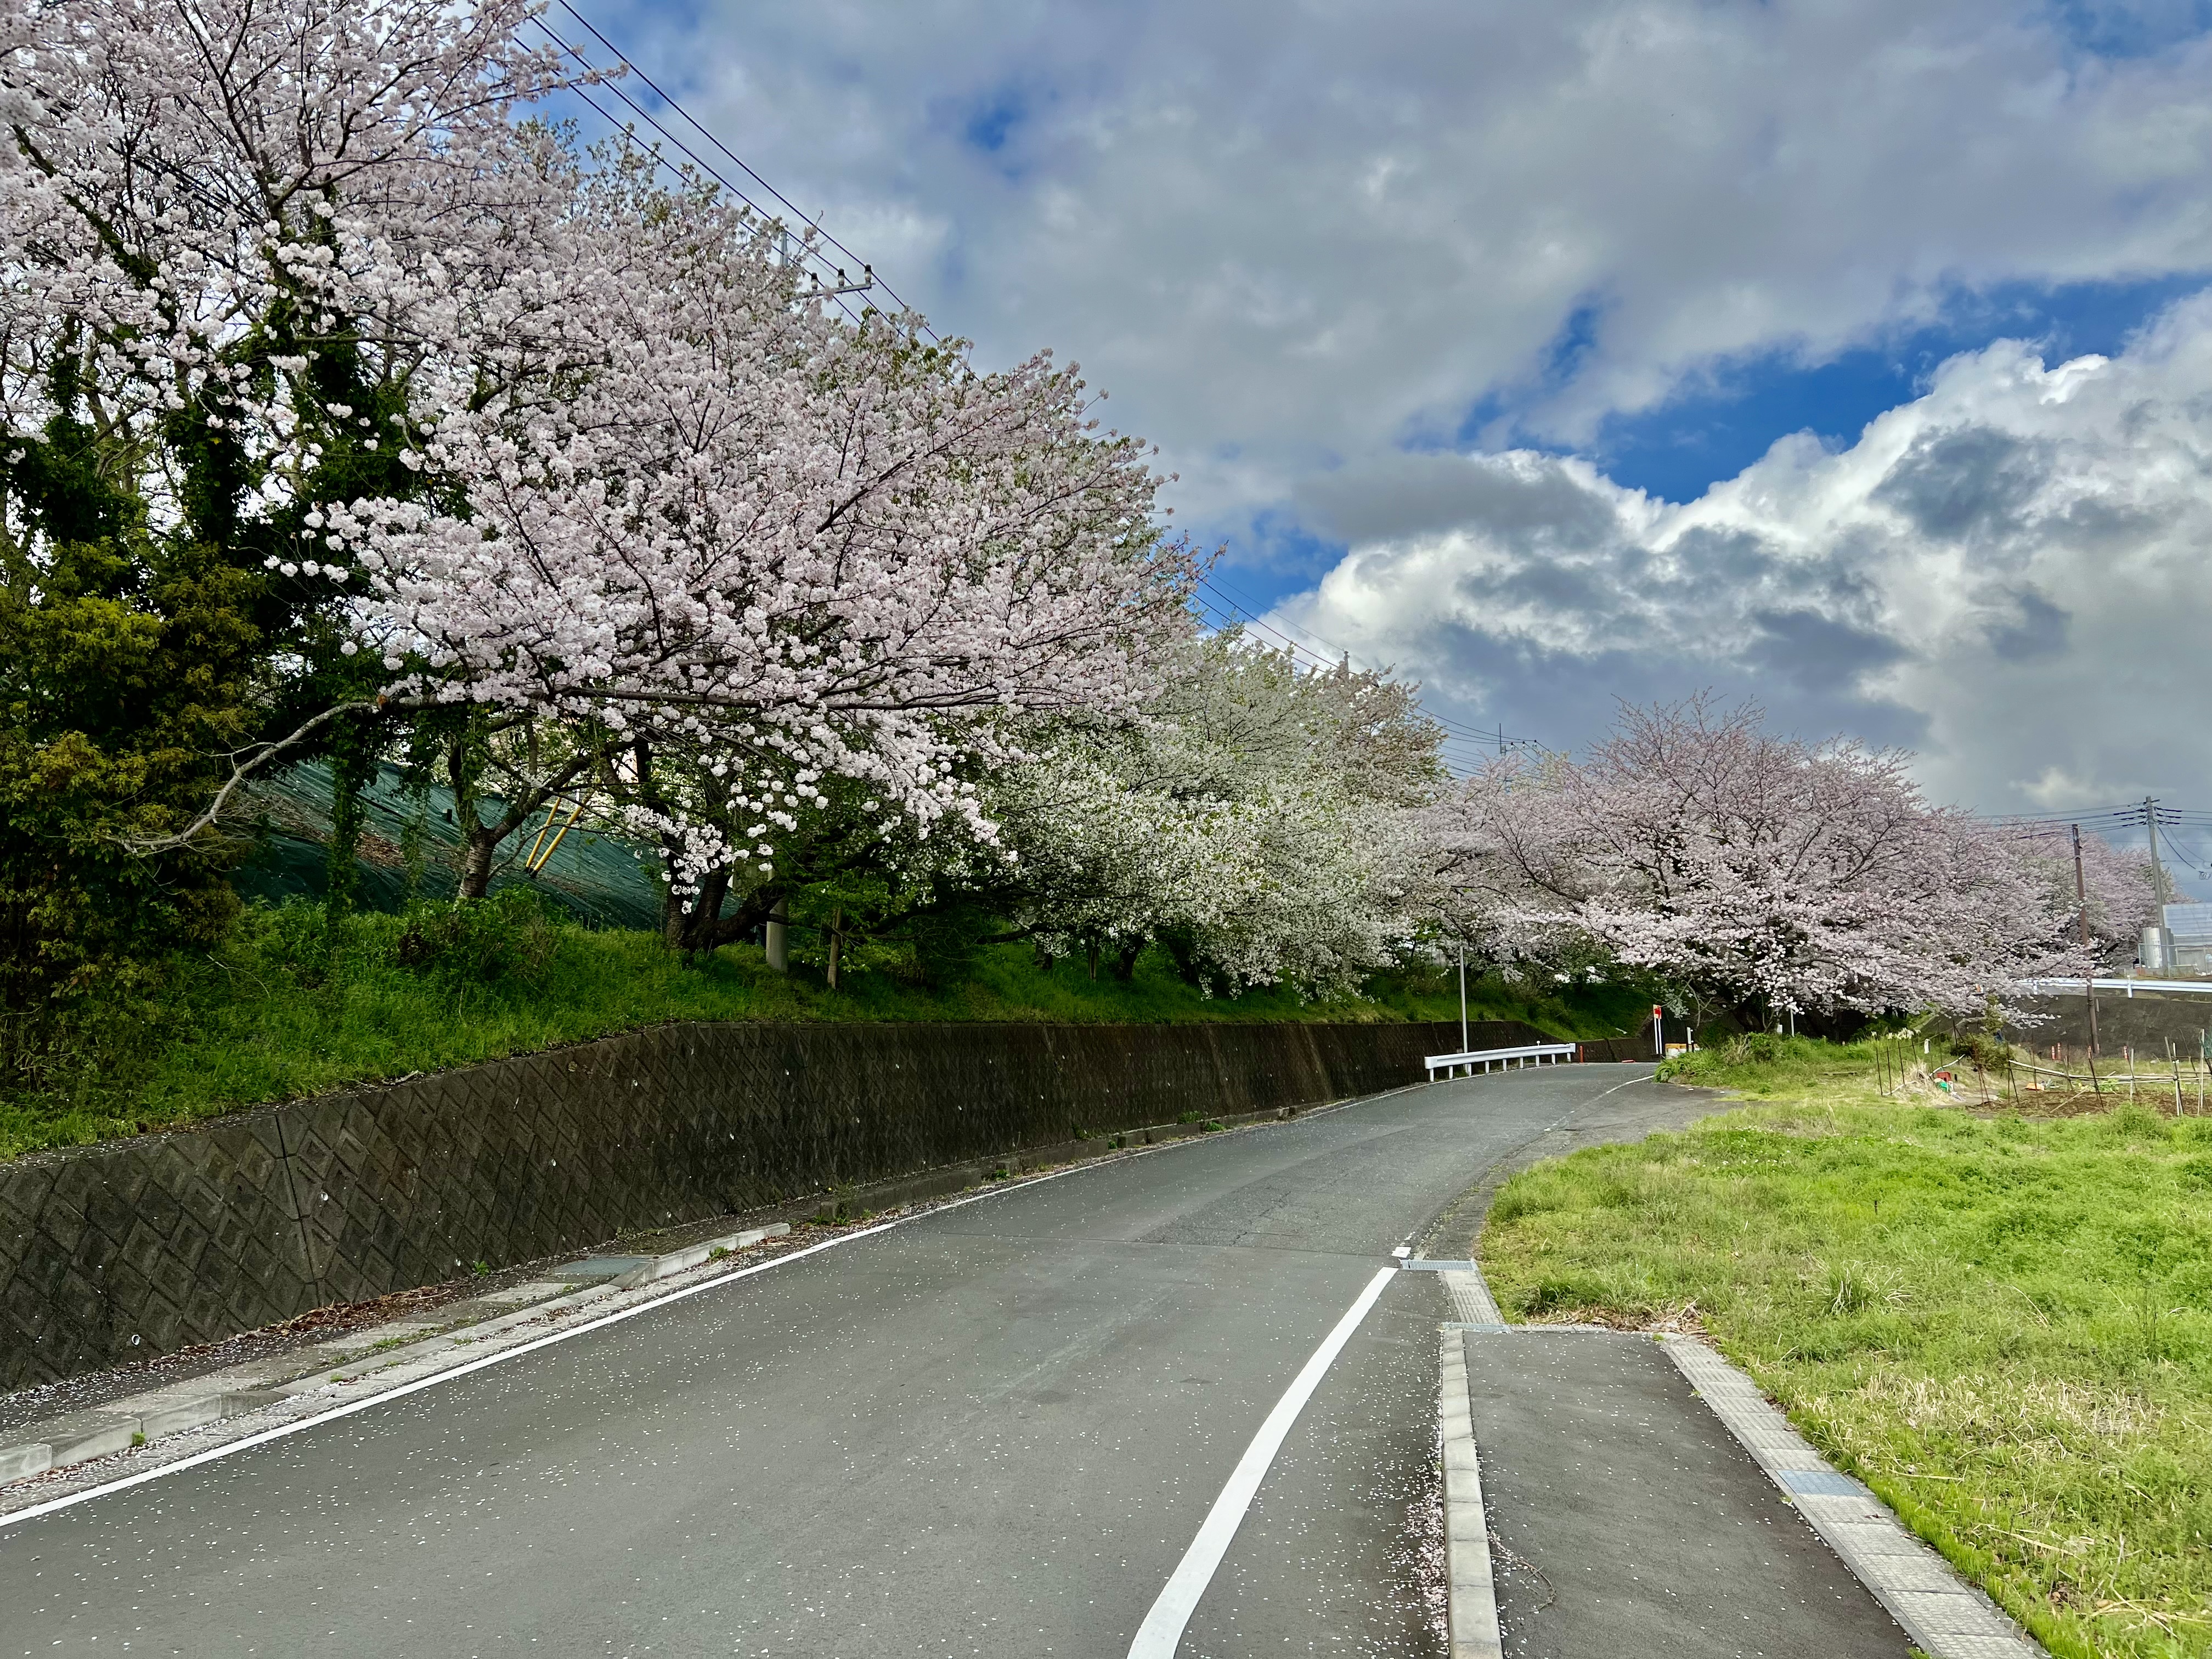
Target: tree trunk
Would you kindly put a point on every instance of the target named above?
(1125, 962)
(695, 924)
(1183, 949)
(836, 940)
(476, 850)
(481, 841)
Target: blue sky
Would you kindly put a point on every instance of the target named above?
(1714, 429)
(1344, 264)
(1721, 421)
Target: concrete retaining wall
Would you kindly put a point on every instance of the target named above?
(2146, 1021)
(130, 1248)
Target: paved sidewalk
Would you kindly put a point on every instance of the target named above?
(1627, 1520)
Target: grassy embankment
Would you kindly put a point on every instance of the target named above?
(2002, 1323)
(290, 1007)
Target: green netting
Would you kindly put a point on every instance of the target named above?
(597, 878)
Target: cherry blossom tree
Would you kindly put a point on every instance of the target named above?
(1763, 873)
(241, 244)
(1257, 820)
(557, 444)
(243, 240)
(762, 546)
(2117, 881)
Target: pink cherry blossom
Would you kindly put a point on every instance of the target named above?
(1765, 873)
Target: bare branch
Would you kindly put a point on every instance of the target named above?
(244, 764)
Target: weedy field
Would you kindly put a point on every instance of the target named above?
(2001, 1323)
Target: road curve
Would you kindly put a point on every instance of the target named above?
(994, 1430)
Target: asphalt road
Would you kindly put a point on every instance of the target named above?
(993, 1430)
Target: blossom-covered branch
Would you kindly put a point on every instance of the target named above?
(1765, 872)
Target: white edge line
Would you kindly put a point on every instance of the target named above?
(399, 1390)
(1158, 1637)
(1615, 1090)
(247, 1443)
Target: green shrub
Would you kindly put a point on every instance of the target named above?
(508, 937)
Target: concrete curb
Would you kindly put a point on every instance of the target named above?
(85, 1437)
(626, 1273)
(1945, 1616)
(1472, 1595)
(82, 1437)
(1463, 1283)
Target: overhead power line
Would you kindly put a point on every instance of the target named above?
(833, 290)
(811, 221)
(1229, 605)
(1224, 601)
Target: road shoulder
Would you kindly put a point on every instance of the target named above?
(1616, 1492)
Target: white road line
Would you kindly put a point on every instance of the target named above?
(400, 1391)
(1163, 1626)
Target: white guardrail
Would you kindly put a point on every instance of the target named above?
(2201, 987)
(1535, 1054)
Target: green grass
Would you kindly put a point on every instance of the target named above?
(2001, 1323)
(288, 1008)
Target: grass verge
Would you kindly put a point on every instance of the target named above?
(2001, 1324)
(293, 1005)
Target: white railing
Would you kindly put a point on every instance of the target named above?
(2062, 986)
(1536, 1054)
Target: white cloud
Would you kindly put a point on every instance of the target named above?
(2010, 573)
(1288, 237)
(1298, 242)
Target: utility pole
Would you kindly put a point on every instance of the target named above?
(2161, 938)
(2089, 979)
(1462, 999)
(775, 939)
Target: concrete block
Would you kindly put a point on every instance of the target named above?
(1921, 1573)
(20, 1462)
(1931, 1615)
(515, 1296)
(83, 1435)
(182, 1415)
(355, 1341)
(598, 1268)
(1870, 1536)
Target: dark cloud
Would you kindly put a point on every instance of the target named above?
(1719, 558)
(1821, 655)
(1955, 485)
(2037, 630)
(1412, 495)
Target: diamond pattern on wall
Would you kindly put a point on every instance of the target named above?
(193, 1236)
